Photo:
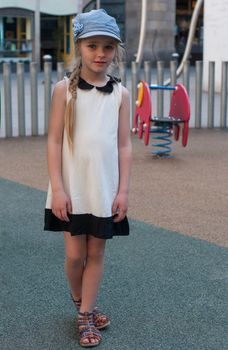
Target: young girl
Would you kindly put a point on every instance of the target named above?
(89, 160)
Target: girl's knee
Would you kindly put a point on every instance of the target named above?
(75, 249)
(95, 252)
(75, 259)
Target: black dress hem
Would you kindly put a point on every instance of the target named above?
(89, 224)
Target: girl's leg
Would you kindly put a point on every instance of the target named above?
(75, 255)
(93, 273)
(84, 259)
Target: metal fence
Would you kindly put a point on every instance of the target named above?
(26, 96)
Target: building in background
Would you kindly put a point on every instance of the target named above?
(16, 33)
(184, 10)
(20, 35)
(167, 26)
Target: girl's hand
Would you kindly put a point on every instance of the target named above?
(119, 207)
(61, 205)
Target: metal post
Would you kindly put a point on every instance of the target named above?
(198, 94)
(134, 83)
(173, 73)
(36, 57)
(98, 4)
(34, 97)
(160, 95)
(186, 75)
(123, 73)
(142, 35)
(223, 103)
(8, 98)
(47, 93)
(211, 95)
(21, 98)
(60, 71)
(147, 72)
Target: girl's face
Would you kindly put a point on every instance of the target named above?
(97, 53)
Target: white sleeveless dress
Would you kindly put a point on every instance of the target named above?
(91, 173)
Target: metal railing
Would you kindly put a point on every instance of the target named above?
(26, 97)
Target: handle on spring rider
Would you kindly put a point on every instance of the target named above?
(142, 117)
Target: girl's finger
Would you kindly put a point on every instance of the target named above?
(58, 213)
(69, 207)
(114, 208)
(120, 215)
(64, 215)
(55, 212)
(117, 218)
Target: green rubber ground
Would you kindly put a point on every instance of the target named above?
(162, 290)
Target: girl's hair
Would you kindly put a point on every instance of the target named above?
(70, 108)
(73, 84)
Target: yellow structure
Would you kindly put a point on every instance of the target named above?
(68, 51)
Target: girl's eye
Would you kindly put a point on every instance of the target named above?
(109, 47)
(92, 46)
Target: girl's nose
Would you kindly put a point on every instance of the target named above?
(101, 52)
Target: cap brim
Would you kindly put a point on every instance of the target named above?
(97, 33)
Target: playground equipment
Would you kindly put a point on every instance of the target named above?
(162, 128)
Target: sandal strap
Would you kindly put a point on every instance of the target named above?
(98, 315)
(99, 319)
(86, 326)
(85, 320)
(89, 332)
(77, 303)
(96, 311)
(85, 314)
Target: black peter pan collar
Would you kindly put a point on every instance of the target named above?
(108, 88)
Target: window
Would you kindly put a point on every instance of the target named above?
(67, 35)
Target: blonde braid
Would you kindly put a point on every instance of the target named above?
(70, 109)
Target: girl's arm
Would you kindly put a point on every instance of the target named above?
(120, 204)
(60, 201)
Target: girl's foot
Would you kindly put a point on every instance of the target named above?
(100, 320)
(88, 334)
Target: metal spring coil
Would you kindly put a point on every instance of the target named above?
(164, 136)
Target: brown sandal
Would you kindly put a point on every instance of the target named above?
(87, 330)
(100, 320)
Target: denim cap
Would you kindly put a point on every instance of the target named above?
(95, 22)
